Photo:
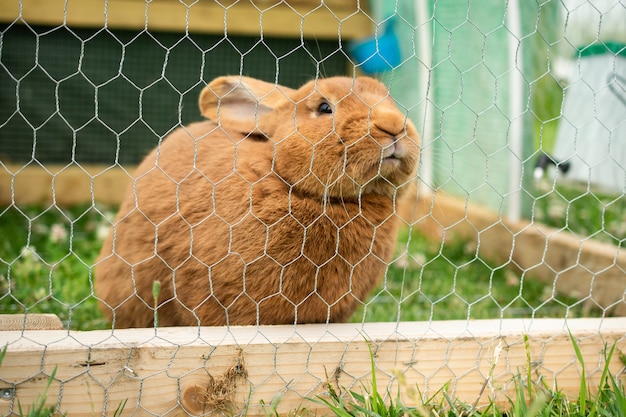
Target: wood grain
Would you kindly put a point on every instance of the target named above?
(174, 371)
(29, 322)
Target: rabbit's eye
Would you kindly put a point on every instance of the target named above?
(325, 108)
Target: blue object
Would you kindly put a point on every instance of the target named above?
(378, 53)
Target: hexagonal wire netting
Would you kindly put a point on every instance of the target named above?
(521, 110)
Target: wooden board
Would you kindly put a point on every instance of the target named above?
(62, 185)
(335, 18)
(169, 371)
(30, 322)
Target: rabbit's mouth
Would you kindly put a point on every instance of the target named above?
(390, 163)
(393, 156)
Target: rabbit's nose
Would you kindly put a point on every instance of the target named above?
(391, 127)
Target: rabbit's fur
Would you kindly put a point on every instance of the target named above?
(272, 211)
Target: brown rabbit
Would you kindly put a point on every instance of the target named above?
(278, 209)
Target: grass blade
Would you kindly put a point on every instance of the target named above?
(582, 392)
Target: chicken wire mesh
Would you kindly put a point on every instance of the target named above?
(484, 85)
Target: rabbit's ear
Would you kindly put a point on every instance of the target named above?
(237, 102)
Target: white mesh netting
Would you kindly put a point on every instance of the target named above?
(292, 197)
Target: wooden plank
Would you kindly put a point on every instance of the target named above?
(170, 370)
(63, 185)
(578, 266)
(269, 17)
(30, 322)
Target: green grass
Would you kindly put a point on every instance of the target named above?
(46, 263)
(447, 282)
(582, 210)
(39, 409)
(532, 398)
(47, 257)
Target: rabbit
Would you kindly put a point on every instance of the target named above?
(278, 209)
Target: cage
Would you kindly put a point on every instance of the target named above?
(497, 282)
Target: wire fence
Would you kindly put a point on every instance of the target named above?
(481, 177)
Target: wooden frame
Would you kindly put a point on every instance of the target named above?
(342, 18)
(65, 185)
(169, 371)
